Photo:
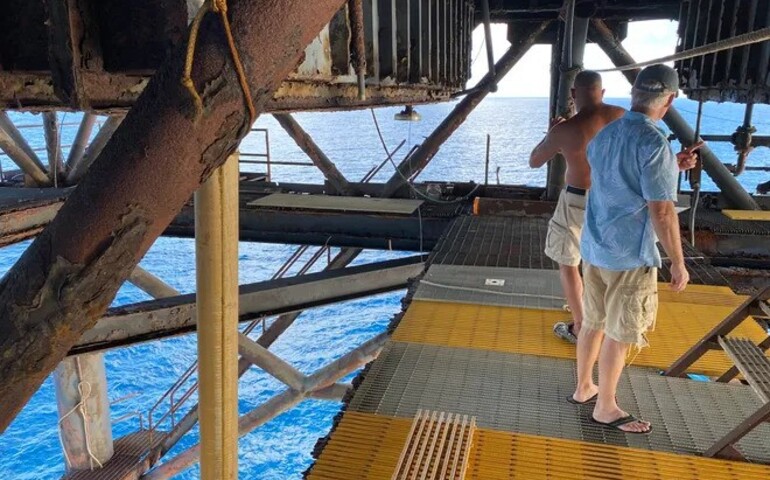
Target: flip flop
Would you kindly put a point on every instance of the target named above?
(572, 400)
(564, 331)
(616, 424)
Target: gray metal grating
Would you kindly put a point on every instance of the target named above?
(716, 222)
(518, 242)
(521, 287)
(523, 393)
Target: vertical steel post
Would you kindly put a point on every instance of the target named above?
(216, 242)
(53, 145)
(573, 48)
(84, 411)
(485, 17)
(358, 44)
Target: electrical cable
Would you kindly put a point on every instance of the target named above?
(408, 182)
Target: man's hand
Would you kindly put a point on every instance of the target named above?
(679, 277)
(687, 158)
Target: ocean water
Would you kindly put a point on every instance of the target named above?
(30, 449)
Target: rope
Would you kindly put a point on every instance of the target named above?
(493, 292)
(409, 183)
(84, 389)
(735, 42)
(220, 7)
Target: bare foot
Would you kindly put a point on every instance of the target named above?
(635, 426)
(582, 395)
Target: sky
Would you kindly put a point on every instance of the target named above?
(531, 76)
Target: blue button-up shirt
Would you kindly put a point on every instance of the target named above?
(631, 163)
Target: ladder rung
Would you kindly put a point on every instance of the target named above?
(751, 361)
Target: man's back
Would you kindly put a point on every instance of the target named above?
(632, 163)
(572, 137)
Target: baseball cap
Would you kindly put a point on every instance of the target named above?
(657, 79)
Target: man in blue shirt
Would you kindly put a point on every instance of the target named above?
(633, 189)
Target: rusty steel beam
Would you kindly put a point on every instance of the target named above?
(113, 93)
(428, 149)
(66, 33)
(176, 315)
(314, 152)
(358, 44)
(26, 222)
(67, 278)
(734, 193)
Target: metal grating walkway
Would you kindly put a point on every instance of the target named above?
(366, 447)
(461, 348)
(718, 223)
(518, 242)
(129, 461)
(344, 204)
(529, 331)
(523, 393)
(510, 287)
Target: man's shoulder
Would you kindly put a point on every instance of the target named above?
(613, 111)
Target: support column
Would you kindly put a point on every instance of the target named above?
(216, 247)
(69, 275)
(84, 411)
(427, 150)
(733, 192)
(317, 156)
(573, 48)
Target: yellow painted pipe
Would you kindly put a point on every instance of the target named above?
(216, 254)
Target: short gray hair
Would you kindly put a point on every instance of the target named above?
(648, 100)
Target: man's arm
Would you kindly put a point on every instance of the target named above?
(548, 147)
(666, 225)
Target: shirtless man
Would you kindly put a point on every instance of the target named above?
(570, 138)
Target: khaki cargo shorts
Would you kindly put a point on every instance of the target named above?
(622, 304)
(562, 243)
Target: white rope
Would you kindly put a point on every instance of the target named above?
(750, 38)
(84, 389)
(494, 292)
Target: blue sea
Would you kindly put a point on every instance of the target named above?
(281, 449)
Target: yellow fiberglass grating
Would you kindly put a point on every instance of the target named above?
(530, 332)
(437, 448)
(701, 295)
(367, 447)
(749, 215)
(502, 455)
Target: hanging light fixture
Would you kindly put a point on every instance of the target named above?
(408, 114)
